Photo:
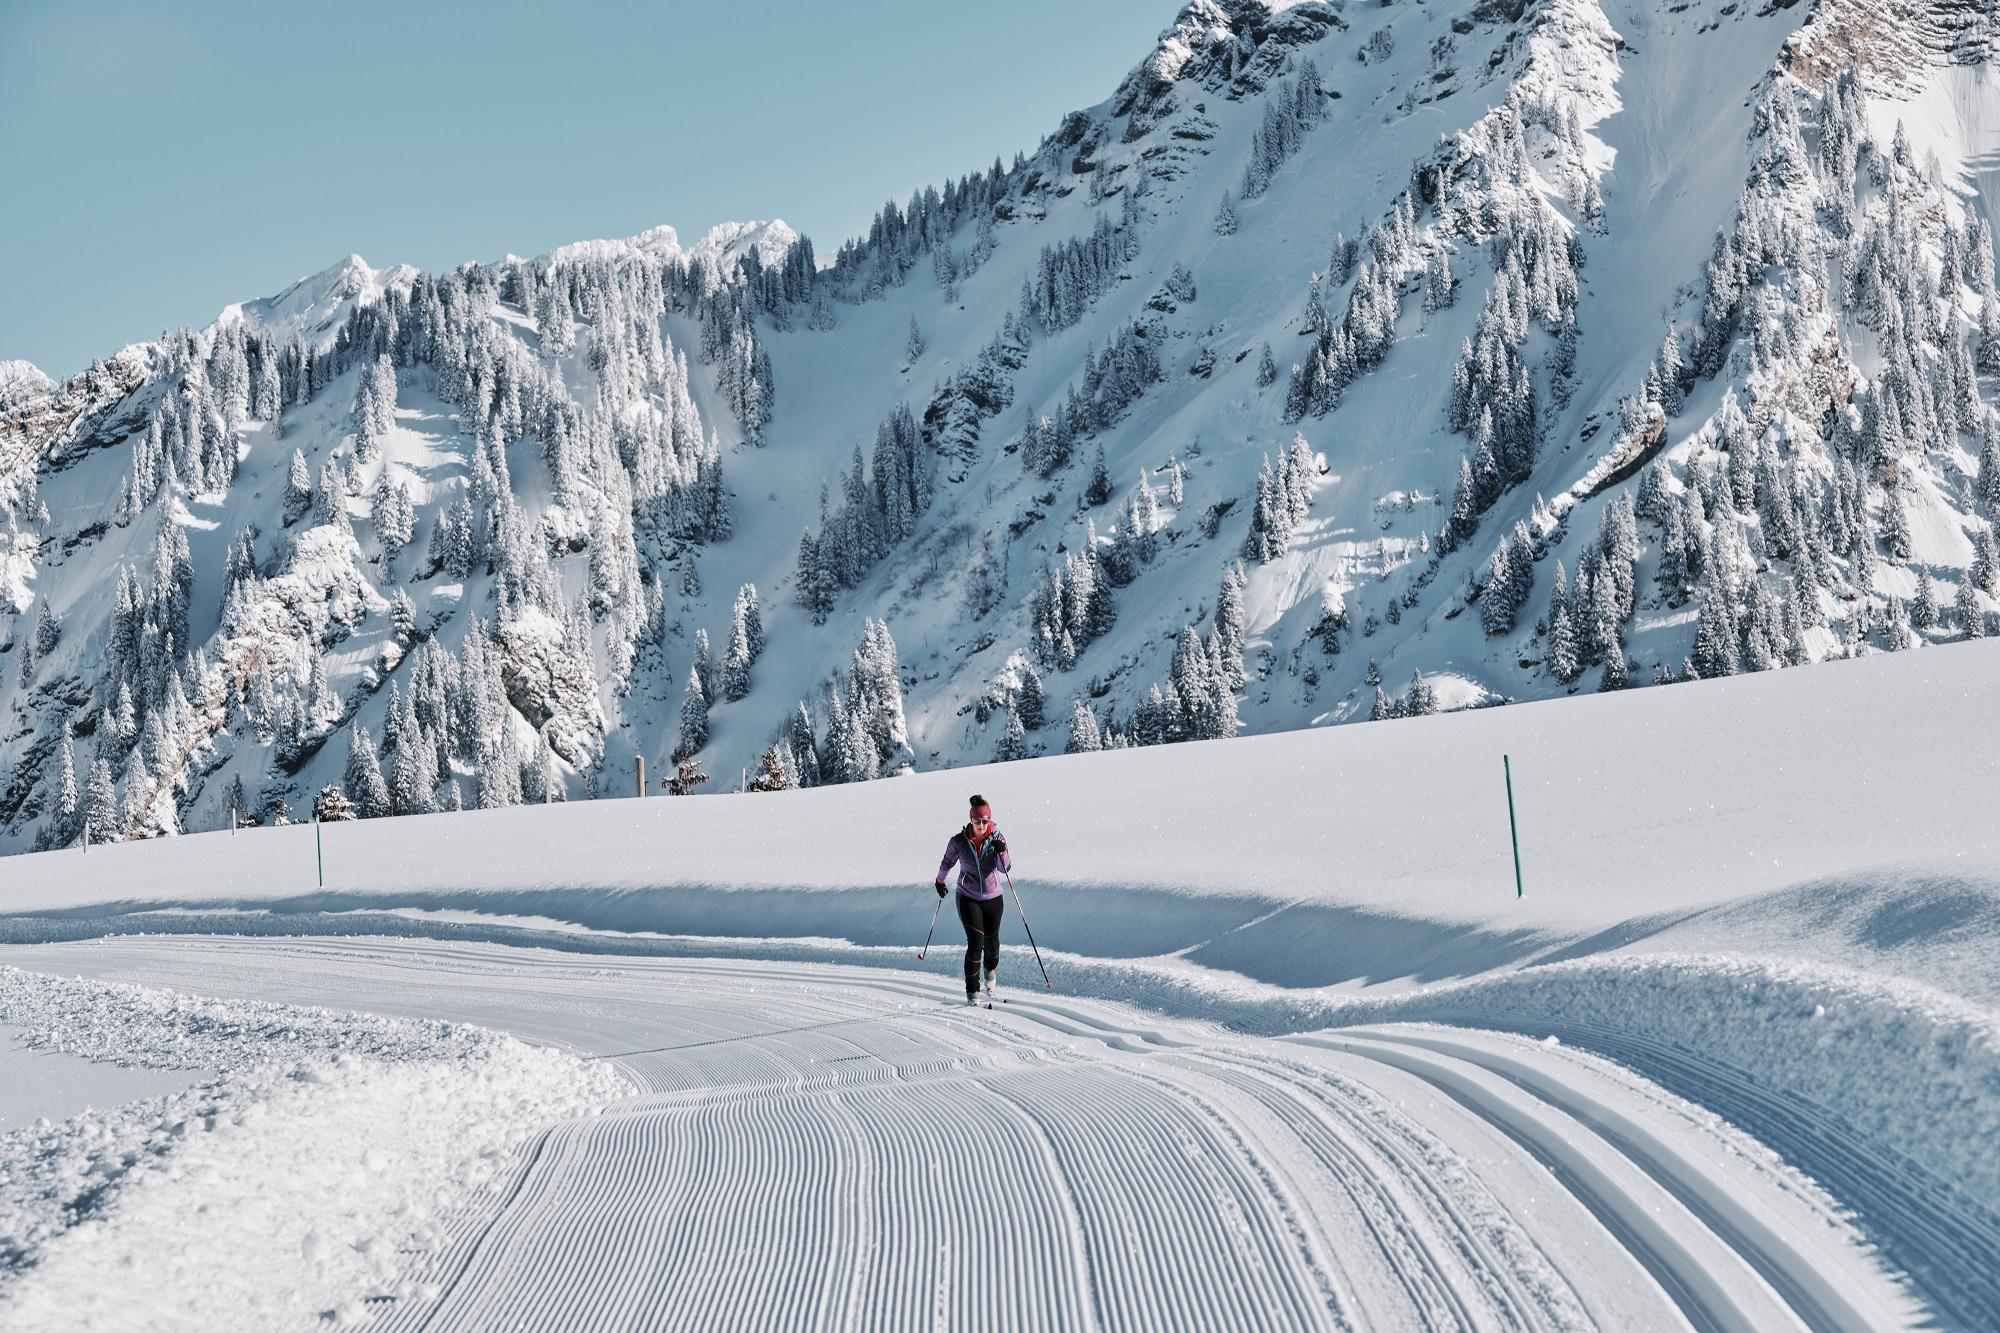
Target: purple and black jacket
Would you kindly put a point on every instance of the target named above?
(979, 869)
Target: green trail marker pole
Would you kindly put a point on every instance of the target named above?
(319, 852)
(1513, 830)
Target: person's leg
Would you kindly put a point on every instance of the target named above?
(974, 921)
(990, 925)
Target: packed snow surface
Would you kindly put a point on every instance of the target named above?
(815, 1146)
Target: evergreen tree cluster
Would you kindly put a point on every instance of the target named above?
(154, 710)
(1510, 578)
(1071, 605)
(1135, 542)
(1104, 388)
(900, 237)
(1284, 498)
(866, 735)
(1197, 702)
(979, 391)
(1361, 338)
(374, 407)
(1418, 699)
(454, 720)
(1586, 621)
(880, 503)
(1492, 399)
(1904, 261)
(1070, 275)
(1292, 109)
(743, 367)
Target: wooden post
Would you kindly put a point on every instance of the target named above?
(319, 850)
(1513, 831)
(639, 774)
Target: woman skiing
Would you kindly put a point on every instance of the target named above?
(980, 854)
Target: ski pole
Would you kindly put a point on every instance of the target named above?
(933, 930)
(1019, 907)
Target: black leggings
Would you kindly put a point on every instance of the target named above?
(981, 919)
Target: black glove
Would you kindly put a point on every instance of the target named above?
(939, 886)
(996, 845)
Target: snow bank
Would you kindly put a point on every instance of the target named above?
(1895, 1063)
(328, 1158)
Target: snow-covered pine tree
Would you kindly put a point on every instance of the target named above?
(770, 775)
(804, 749)
(374, 408)
(876, 698)
(1967, 613)
(331, 806)
(1984, 571)
(1715, 647)
(48, 629)
(394, 518)
(1496, 603)
(686, 777)
(1098, 492)
(1421, 700)
(1084, 734)
(694, 717)
(1030, 698)
(1924, 607)
(102, 818)
(330, 496)
(736, 660)
(1013, 740)
(1440, 287)
(704, 664)
(362, 779)
(298, 489)
(1229, 627)
(1895, 526)
(1563, 663)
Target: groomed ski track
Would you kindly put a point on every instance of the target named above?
(819, 1146)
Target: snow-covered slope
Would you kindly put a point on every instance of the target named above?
(1607, 342)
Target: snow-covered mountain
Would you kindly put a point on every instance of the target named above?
(1528, 347)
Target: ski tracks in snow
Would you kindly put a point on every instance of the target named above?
(849, 1150)
(833, 1148)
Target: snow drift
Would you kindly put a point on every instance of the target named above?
(333, 1152)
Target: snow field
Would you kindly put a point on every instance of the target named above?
(332, 1153)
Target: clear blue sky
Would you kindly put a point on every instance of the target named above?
(163, 160)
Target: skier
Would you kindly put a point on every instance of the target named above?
(980, 853)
